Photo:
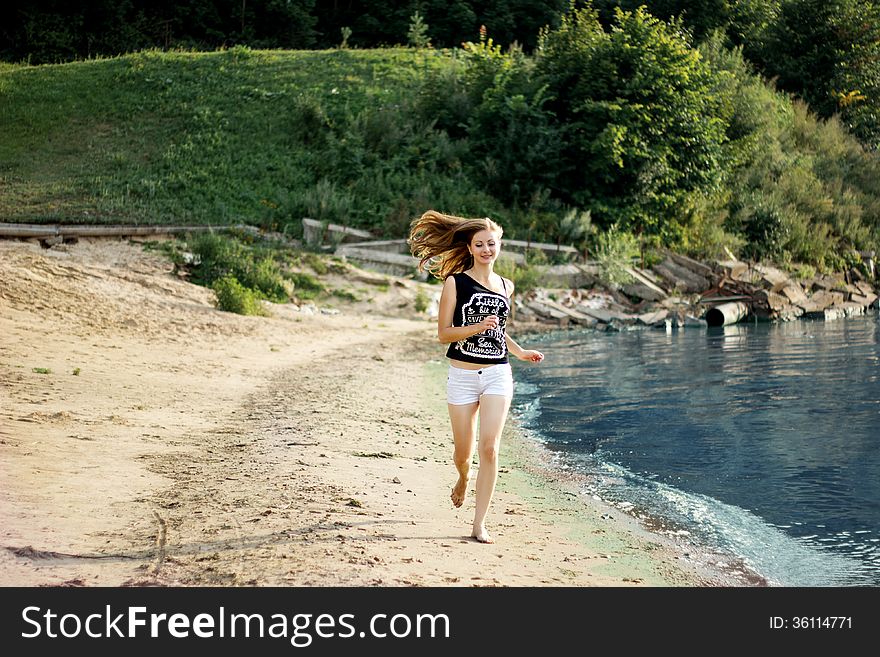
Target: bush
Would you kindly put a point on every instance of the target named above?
(219, 256)
(615, 250)
(234, 297)
(524, 277)
(264, 276)
(307, 286)
(421, 301)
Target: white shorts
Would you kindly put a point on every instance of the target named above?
(467, 386)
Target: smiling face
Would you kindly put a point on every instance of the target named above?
(485, 247)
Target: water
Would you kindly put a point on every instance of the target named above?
(760, 440)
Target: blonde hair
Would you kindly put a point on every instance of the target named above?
(440, 241)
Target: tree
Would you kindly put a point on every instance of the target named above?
(701, 17)
(855, 83)
(642, 128)
(417, 35)
(828, 53)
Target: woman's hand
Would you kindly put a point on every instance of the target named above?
(531, 355)
(489, 323)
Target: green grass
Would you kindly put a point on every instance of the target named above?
(186, 137)
(266, 138)
(345, 295)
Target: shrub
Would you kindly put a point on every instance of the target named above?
(233, 297)
(307, 286)
(421, 301)
(614, 250)
(264, 276)
(525, 277)
(219, 256)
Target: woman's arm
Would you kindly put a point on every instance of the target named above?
(519, 352)
(512, 346)
(446, 332)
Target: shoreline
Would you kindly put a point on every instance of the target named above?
(171, 444)
(700, 560)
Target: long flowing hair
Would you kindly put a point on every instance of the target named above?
(440, 241)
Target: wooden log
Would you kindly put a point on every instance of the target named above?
(99, 230)
(718, 300)
(650, 276)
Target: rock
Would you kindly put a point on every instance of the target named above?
(317, 232)
(771, 278)
(732, 268)
(568, 276)
(864, 300)
(835, 312)
(687, 320)
(548, 313)
(826, 282)
(654, 318)
(822, 299)
(574, 315)
(604, 315)
(794, 293)
(49, 242)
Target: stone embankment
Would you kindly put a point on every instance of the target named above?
(679, 291)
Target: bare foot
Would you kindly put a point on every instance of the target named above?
(459, 491)
(482, 536)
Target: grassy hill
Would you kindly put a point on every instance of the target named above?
(371, 138)
(220, 137)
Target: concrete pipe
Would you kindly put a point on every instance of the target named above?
(727, 313)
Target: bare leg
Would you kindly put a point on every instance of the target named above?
(464, 432)
(493, 414)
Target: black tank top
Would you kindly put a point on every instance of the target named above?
(473, 303)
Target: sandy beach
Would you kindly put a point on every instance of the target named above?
(148, 439)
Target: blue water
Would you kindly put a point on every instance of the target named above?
(758, 440)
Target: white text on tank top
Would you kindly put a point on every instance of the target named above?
(490, 343)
